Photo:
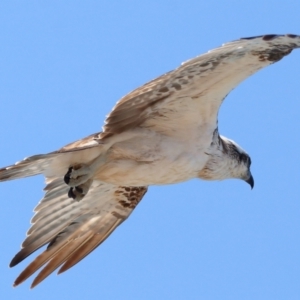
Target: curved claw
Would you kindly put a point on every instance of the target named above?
(78, 192)
(68, 175)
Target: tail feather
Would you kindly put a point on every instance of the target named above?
(53, 164)
(29, 166)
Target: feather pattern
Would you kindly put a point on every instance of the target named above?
(75, 230)
(206, 79)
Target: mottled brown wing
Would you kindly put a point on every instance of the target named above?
(73, 229)
(207, 79)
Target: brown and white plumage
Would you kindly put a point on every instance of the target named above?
(163, 132)
(73, 228)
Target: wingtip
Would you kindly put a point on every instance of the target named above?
(16, 259)
(293, 39)
(35, 283)
(12, 263)
(63, 268)
(60, 271)
(269, 37)
(18, 281)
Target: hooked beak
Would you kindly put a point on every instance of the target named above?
(250, 181)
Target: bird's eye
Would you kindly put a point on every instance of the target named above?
(249, 162)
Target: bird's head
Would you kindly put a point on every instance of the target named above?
(228, 160)
(239, 161)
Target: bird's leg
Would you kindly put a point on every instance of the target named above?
(78, 192)
(77, 174)
(80, 177)
(80, 173)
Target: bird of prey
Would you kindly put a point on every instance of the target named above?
(164, 132)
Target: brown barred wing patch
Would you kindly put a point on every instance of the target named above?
(130, 196)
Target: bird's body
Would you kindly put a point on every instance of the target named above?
(155, 159)
(161, 133)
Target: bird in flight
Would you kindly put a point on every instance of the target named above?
(164, 132)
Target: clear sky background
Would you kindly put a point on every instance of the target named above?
(64, 64)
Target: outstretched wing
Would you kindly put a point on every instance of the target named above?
(194, 92)
(73, 229)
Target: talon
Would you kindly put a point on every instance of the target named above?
(71, 193)
(79, 189)
(67, 176)
(77, 175)
(78, 192)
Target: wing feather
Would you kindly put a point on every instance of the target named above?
(59, 258)
(87, 248)
(202, 83)
(73, 229)
(48, 254)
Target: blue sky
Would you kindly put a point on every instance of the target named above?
(64, 64)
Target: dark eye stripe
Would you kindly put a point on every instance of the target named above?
(245, 158)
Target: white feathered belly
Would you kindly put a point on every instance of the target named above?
(126, 172)
(144, 162)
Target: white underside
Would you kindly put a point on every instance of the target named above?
(153, 158)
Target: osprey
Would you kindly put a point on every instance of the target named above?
(165, 131)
